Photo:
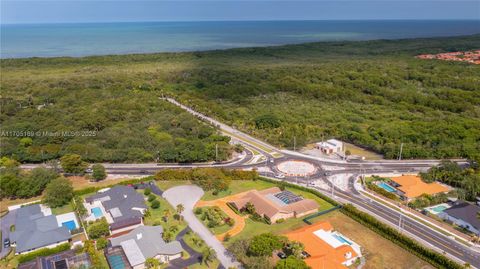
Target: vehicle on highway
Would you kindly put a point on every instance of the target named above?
(6, 243)
(280, 176)
(271, 160)
(328, 173)
(89, 170)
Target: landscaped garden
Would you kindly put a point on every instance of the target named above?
(214, 219)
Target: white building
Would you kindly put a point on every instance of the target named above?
(146, 242)
(330, 146)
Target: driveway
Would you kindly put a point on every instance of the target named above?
(188, 196)
(5, 223)
(222, 204)
(194, 258)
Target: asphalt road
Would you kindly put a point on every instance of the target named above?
(429, 237)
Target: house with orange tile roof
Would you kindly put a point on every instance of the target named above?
(326, 247)
(275, 204)
(412, 186)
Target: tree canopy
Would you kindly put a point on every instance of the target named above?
(58, 192)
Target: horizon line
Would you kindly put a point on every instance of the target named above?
(256, 20)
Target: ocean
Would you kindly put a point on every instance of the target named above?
(84, 39)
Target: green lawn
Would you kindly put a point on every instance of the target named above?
(156, 216)
(237, 186)
(217, 229)
(245, 185)
(63, 209)
(253, 228)
(195, 242)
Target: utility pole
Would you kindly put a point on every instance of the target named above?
(400, 155)
(216, 152)
(294, 142)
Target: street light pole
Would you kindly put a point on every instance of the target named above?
(294, 142)
(216, 152)
(400, 155)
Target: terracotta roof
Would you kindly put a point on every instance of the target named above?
(413, 186)
(322, 254)
(265, 206)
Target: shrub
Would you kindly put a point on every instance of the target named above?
(198, 211)
(58, 192)
(229, 221)
(101, 243)
(147, 191)
(280, 221)
(42, 252)
(151, 197)
(98, 172)
(98, 229)
(265, 244)
(155, 204)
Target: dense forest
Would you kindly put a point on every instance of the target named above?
(372, 93)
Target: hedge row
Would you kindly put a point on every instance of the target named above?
(434, 258)
(381, 191)
(42, 252)
(95, 189)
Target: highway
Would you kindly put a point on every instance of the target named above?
(273, 156)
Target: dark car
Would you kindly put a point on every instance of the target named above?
(6, 243)
(327, 173)
(281, 255)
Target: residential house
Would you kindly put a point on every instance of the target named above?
(275, 204)
(411, 186)
(326, 248)
(465, 215)
(145, 242)
(122, 206)
(36, 227)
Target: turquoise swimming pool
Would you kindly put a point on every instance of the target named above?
(341, 239)
(386, 187)
(116, 262)
(97, 212)
(70, 225)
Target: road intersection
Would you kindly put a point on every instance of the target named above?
(325, 167)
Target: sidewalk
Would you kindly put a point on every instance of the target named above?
(415, 215)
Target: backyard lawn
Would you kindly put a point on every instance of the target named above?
(379, 252)
(63, 209)
(156, 216)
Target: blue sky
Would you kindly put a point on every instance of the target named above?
(39, 11)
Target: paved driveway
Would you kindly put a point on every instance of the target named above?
(5, 223)
(188, 196)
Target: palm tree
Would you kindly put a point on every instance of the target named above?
(208, 255)
(166, 214)
(180, 208)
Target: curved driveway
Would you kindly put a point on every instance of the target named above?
(188, 195)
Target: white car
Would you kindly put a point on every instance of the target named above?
(280, 176)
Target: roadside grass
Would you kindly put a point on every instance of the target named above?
(356, 150)
(10, 261)
(156, 216)
(378, 251)
(167, 184)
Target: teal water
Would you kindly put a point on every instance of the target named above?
(49, 40)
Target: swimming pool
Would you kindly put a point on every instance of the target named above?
(97, 212)
(116, 262)
(341, 239)
(386, 187)
(439, 208)
(70, 225)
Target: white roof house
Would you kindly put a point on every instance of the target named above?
(330, 146)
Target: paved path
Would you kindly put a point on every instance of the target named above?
(222, 204)
(188, 196)
(194, 258)
(5, 223)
